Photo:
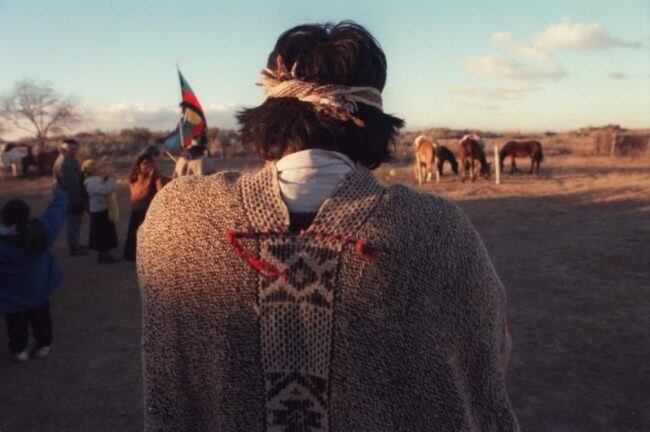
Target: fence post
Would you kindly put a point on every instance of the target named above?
(613, 146)
(497, 165)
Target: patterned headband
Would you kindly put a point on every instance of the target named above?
(338, 100)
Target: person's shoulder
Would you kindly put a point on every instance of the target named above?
(434, 222)
(92, 180)
(189, 207)
(70, 164)
(189, 192)
(32, 240)
(427, 208)
(194, 185)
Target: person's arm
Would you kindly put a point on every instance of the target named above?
(160, 181)
(166, 375)
(484, 341)
(52, 220)
(57, 171)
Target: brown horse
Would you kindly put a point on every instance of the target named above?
(469, 152)
(426, 158)
(515, 149)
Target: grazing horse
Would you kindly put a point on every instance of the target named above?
(446, 155)
(515, 149)
(44, 160)
(29, 160)
(469, 152)
(12, 157)
(426, 158)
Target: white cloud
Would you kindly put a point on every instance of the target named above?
(528, 64)
(567, 35)
(514, 92)
(495, 66)
(127, 115)
(577, 36)
(473, 95)
(505, 38)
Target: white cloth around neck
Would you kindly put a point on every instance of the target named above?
(307, 178)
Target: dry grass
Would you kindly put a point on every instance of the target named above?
(571, 246)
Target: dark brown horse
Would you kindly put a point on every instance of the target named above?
(515, 149)
(469, 153)
(445, 155)
(45, 161)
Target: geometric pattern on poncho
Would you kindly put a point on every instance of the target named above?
(296, 332)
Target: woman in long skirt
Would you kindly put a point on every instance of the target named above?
(103, 237)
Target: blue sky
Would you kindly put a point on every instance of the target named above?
(503, 65)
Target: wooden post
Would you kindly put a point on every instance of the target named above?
(497, 165)
(613, 146)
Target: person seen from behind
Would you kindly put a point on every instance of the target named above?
(68, 176)
(144, 182)
(312, 297)
(29, 273)
(100, 185)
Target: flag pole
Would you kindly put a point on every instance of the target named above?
(180, 120)
(180, 128)
(171, 156)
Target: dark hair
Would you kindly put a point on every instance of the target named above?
(341, 54)
(135, 169)
(15, 212)
(71, 141)
(152, 151)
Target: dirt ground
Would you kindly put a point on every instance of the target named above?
(571, 246)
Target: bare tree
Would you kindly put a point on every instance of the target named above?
(38, 109)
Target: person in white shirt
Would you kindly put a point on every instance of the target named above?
(193, 160)
(99, 186)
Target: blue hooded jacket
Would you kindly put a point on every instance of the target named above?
(28, 275)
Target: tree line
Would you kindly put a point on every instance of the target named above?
(37, 109)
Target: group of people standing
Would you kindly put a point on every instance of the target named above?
(29, 272)
(91, 187)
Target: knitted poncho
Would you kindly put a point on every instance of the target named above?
(385, 315)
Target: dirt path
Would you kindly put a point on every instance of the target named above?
(571, 247)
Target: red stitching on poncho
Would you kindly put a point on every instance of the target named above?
(269, 270)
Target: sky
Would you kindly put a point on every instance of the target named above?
(498, 65)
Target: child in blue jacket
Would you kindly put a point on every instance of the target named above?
(29, 273)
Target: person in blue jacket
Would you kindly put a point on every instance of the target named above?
(29, 273)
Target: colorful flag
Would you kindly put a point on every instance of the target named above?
(192, 123)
